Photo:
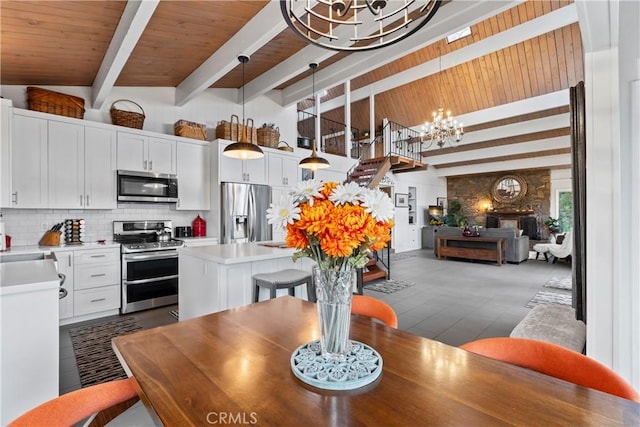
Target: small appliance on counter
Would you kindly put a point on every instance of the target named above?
(183, 231)
(199, 227)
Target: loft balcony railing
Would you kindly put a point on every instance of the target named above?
(332, 134)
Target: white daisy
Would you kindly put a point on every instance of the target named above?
(378, 204)
(307, 190)
(286, 211)
(346, 193)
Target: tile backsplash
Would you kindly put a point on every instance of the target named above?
(25, 226)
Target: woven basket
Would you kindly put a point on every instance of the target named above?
(190, 130)
(48, 101)
(129, 119)
(285, 147)
(231, 130)
(268, 137)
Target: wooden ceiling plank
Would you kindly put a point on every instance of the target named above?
(249, 39)
(560, 17)
(554, 62)
(134, 20)
(451, 17)
(562, 62)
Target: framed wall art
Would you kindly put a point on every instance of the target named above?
(402, 200)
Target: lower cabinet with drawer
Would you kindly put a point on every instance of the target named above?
(93, 283)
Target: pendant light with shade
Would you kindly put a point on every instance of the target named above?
(314, 162)
(243, 149)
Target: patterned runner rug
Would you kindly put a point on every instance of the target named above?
(560, 283)
(544, 297)
(388, 286)
(97, 363)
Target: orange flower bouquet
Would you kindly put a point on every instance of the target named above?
(336, 225)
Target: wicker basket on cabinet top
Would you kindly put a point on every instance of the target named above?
(129, 119)
(268, 137)
(190, 130)
(231, 130)
(48, 101)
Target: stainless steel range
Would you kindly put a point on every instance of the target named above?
(149, 264)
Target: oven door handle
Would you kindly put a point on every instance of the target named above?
(145, 257)
(154, 279)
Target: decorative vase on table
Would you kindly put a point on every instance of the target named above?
(336, 225)
(333, 292)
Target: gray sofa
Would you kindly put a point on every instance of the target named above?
(516, 247)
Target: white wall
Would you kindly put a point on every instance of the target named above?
(429, 188)
(610, 35)
(209, 108)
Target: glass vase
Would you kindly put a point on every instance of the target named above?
(333, 293)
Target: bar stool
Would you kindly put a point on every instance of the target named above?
(284, 279)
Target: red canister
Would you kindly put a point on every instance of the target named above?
(199, 226)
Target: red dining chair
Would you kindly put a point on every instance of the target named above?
(555, 361)
(78, 405)
(372, 307)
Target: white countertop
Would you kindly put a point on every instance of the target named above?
(237, 253)
(27, 276)
(49, 249)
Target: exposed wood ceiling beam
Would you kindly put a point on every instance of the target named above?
(450, 18)
(516, 119)
(558, 161)
(551, 133)
(249, 39)
(134, 20)
(531, 154)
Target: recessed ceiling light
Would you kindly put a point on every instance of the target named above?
(459, 34)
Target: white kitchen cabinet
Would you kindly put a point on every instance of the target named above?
(244, 171)
(6, 119)
(100, 186)
(146, 154)
(66, 165)
(283, 169)
(65, 267)
(194, 177)
(81, 167)
(92, 281)
(29, 162)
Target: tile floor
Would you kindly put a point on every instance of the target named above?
(452, 301)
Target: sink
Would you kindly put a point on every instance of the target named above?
(34, 256)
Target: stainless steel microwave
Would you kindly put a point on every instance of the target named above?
(147, 187)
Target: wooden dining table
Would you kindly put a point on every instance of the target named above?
(233, 367)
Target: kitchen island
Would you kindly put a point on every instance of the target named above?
(218, 277)
(29, 352)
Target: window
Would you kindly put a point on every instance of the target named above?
(565, 210)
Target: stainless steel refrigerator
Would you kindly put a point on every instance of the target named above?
(243, 212)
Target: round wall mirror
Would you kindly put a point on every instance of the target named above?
(509, 189)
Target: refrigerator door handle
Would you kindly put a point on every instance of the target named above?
(252, 215)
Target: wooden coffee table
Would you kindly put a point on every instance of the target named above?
(474, 248)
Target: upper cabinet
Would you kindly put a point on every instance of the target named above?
(283, 169)
(81, 167)
(28, 162)
(243, 171)
(146, 154)
(194, 176)
(100, 168)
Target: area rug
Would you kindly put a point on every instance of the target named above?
(544, 297)
(560, 283)
(388, 286)
(97, 363)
